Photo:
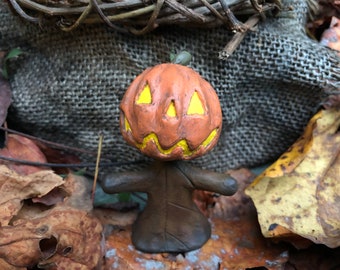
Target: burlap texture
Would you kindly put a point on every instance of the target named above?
(68, 86)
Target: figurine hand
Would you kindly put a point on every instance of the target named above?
(125, 181)
(229, 187)
(208, 180)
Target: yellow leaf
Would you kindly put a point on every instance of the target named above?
(295, 154)
(305, 199)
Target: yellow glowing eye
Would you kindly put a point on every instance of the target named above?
(127, 125)
(145, 96)
(171, 110)
(195, 105)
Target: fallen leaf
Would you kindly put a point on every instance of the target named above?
(317, 257)
(305, 200)
(58, 156)
(19, 246)
(204, 200)
(331, 36)
(19, 147)
(56, 195)
(79, 240)
(332, 101)
(14, 188)
(294, 155)
(64, 263)
(328, 196)
(6, 266)
(115, 218)
(75, 192)
(79, 190)
(239, 206)
(61, 237)
(280, 233)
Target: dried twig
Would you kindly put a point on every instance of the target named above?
(151, 24)
(100, 144)
(148, 14)
(81, 18)
(238, 37)
(53, 144)
(69, 165)
(22, 13)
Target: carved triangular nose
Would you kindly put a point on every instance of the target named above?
(196, 105)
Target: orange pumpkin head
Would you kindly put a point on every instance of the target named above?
(170, 112)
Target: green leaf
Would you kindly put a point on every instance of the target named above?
(124, 196)
(13, 53)
(4, 72)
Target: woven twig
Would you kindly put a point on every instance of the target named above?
(142, 16)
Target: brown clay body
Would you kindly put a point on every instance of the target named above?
(171, 221)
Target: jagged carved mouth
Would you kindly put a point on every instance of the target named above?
(152, 137)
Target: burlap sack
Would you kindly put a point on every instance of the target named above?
(68, 85)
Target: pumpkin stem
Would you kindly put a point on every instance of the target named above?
(182, 58)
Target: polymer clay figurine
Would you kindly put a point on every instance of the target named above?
(172, 114)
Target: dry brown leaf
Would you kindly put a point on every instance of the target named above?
(79, 240)
(306, 199)
(238, 206)
(331, 36)
(204, 200)
(6, 266)
(19, 147)
(236, 241)
(58, 156)
(115, 218)
(15, 188)
(316, 257)
(55, 196)
(19, 246)
(75, 192)
(61, 236)
(64, 263)
(79, 189)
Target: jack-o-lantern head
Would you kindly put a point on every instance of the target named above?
(170, 112)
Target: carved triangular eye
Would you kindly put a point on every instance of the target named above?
(127, 124)
(171, 111)
(196, 105)
(144, 96)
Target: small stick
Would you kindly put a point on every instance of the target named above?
(238, 37)
(22, 13)
(81, 18)
(151, 23)
(123, 16)
(105, 18)
(100, 144)
(68, 165)
(53, 144)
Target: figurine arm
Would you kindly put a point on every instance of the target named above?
(208, 180)
(125, 182)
